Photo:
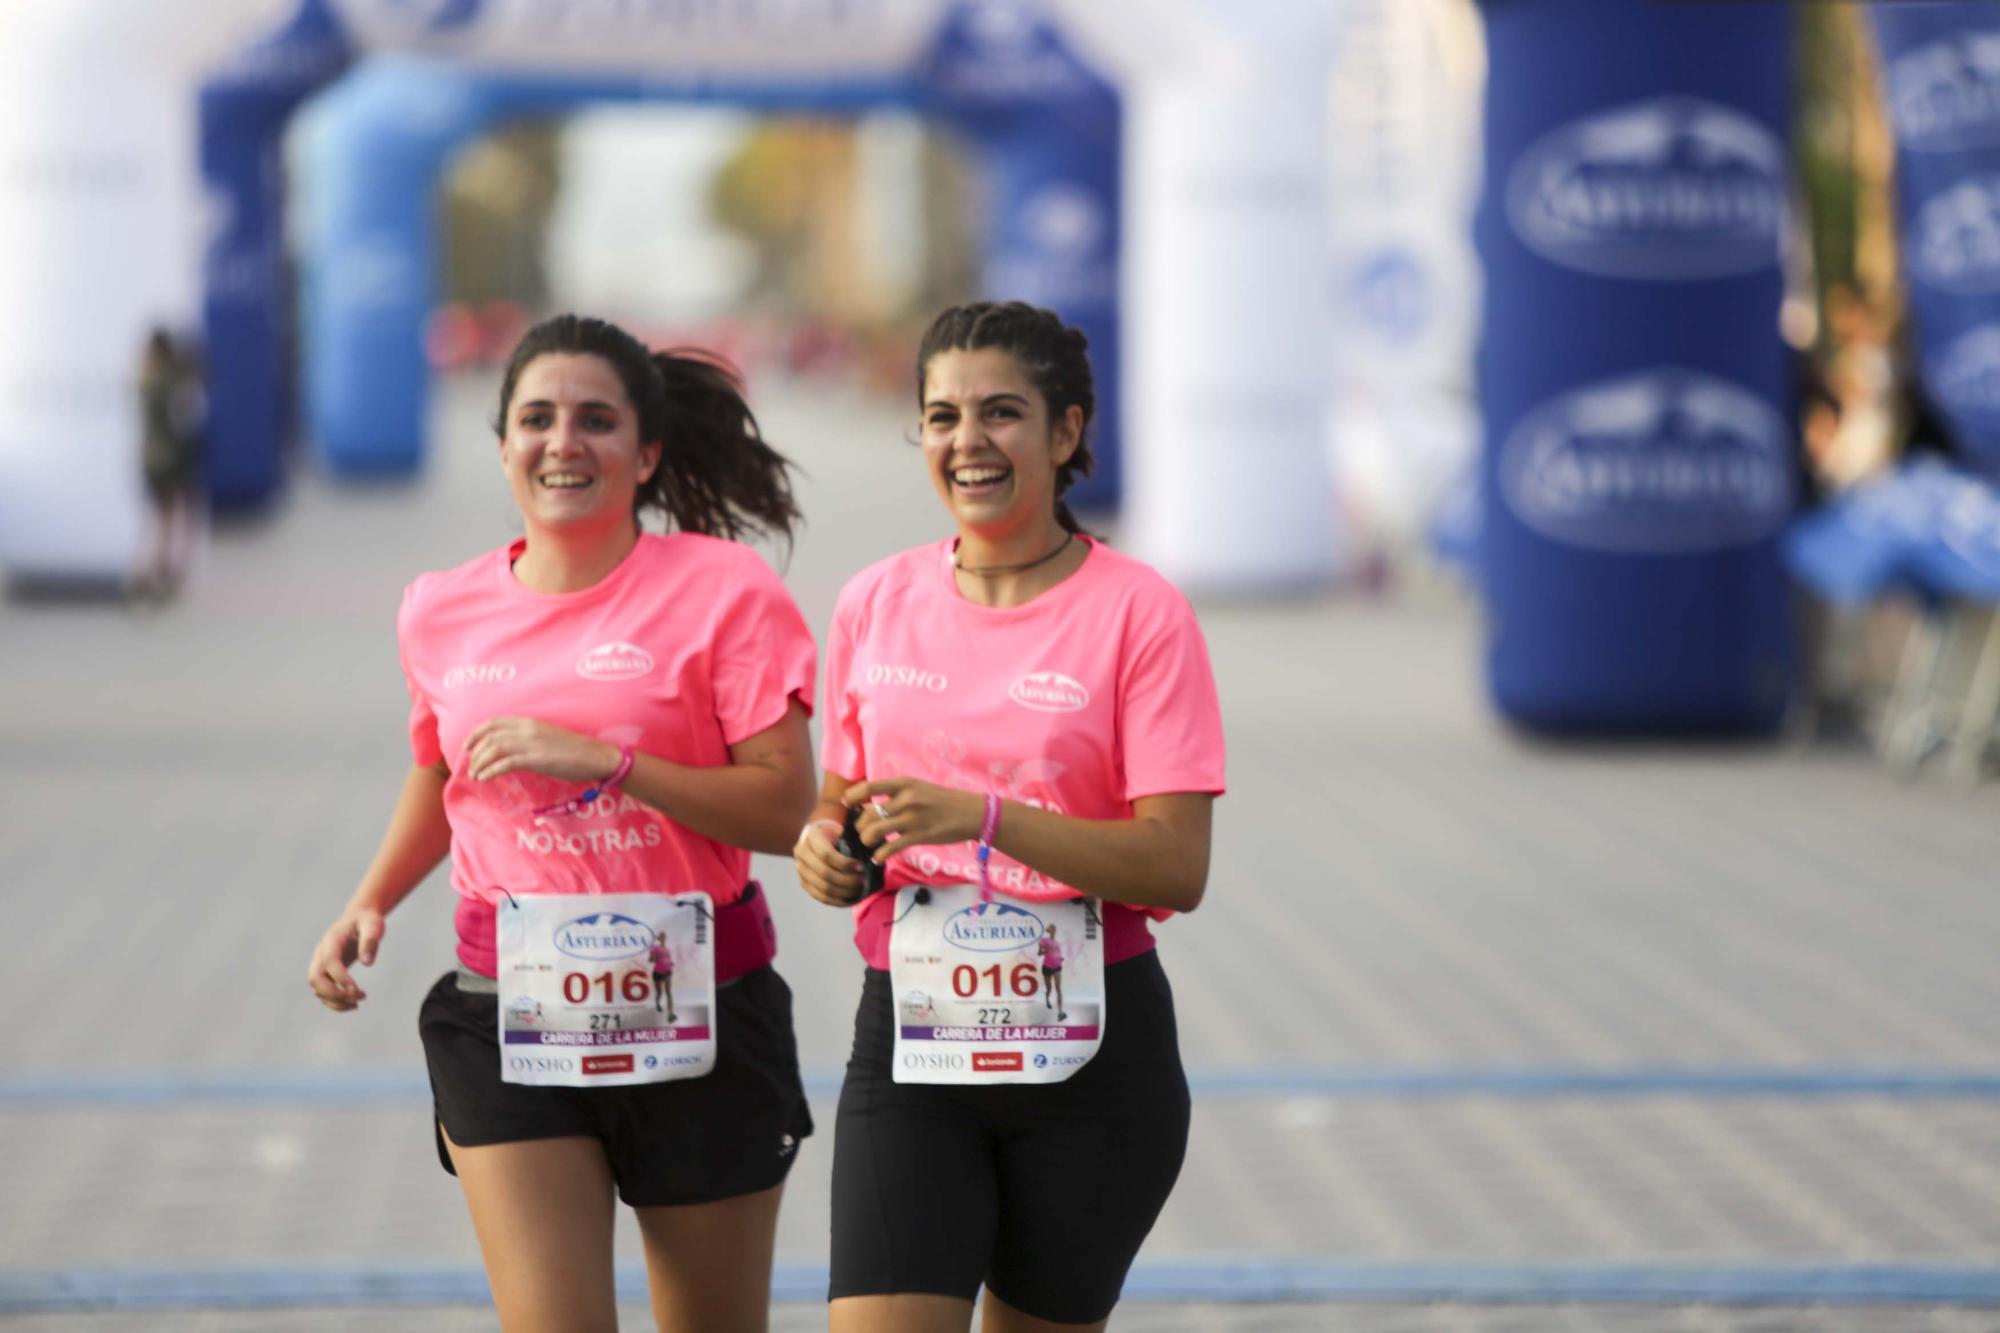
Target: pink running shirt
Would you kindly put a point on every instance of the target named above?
(689, 646)
(1050, 951)
(1093, 694)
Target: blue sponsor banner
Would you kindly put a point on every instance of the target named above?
(1941, 85)
(1638, 464)
(1048, 132)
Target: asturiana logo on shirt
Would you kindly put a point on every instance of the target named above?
(1049, 692)
(604, 937)
(993, 928)
(614, 661)
(478, 673)
(909, 677)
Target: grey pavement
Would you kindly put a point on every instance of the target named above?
(1400, 884)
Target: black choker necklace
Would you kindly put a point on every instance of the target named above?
(990, 570)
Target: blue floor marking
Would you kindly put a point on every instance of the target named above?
(1208, 1282)
(339, 1088)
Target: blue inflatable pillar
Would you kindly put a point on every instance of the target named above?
(1941, 84)
(246, 305)
(385, 136)
(1638, 400)
(1048, 132)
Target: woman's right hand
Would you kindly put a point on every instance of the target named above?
(351, 939)
(823, 872)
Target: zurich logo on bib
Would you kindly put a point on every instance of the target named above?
(1672, 189)
(1669, 461)
(1945, 97)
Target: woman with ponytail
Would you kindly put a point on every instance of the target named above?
(1022, 728)
(605, 723)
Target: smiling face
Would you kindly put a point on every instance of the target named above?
(990, 444)
(571, 447)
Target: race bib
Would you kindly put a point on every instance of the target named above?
(604, 989)
(1003, 991)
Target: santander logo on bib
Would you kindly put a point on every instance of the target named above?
(1049, 692)
(614, 661)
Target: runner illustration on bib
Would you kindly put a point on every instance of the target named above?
(581, 975)
(973, 980)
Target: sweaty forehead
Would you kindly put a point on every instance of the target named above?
(570, 377)
(972, 376)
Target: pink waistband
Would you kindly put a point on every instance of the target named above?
(746, 938)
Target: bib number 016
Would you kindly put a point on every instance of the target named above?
(632, 988)
(1025, 980)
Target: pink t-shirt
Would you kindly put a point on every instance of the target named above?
(1086, 698)
(1050, 951)
(689, 646)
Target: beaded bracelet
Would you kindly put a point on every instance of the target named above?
(591, 793)
(986, 832)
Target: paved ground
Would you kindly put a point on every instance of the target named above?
(1400, 886)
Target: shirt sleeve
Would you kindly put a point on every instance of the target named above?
(841, 750)
(425, 748)
(763, 656)
(1170, 726)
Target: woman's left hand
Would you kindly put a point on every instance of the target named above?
(504, 745)
(912, 813)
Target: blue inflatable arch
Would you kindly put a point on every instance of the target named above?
(1046, 127)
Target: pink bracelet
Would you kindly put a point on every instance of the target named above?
(591, 793)
(626, 754)
(986, 832)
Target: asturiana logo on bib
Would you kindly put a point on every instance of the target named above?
(1945, 97)
(1956, 241)
(1677, 188)
(604, 937)
(478, 673)
(1666, 461)
(993, 928)
(1049, 692)
(909, 677)
(1966, 374)
(614, 661)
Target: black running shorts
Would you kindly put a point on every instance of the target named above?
(734, 1131)
(1044, 1193)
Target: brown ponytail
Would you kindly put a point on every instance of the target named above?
(717, 476)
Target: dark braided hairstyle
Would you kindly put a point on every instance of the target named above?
(716, 476)
(1052, 355)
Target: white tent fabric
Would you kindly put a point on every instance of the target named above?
(1226, 308)
(100, 235)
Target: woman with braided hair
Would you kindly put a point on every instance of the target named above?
(1028, 724)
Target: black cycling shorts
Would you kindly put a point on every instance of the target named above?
(734, 1131)
(1044, 1193)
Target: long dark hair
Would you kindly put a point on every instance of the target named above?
(1054, 357)
(716, 476)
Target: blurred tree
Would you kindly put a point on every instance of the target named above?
(791, 191)
(1845, 157)
(497, 199)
